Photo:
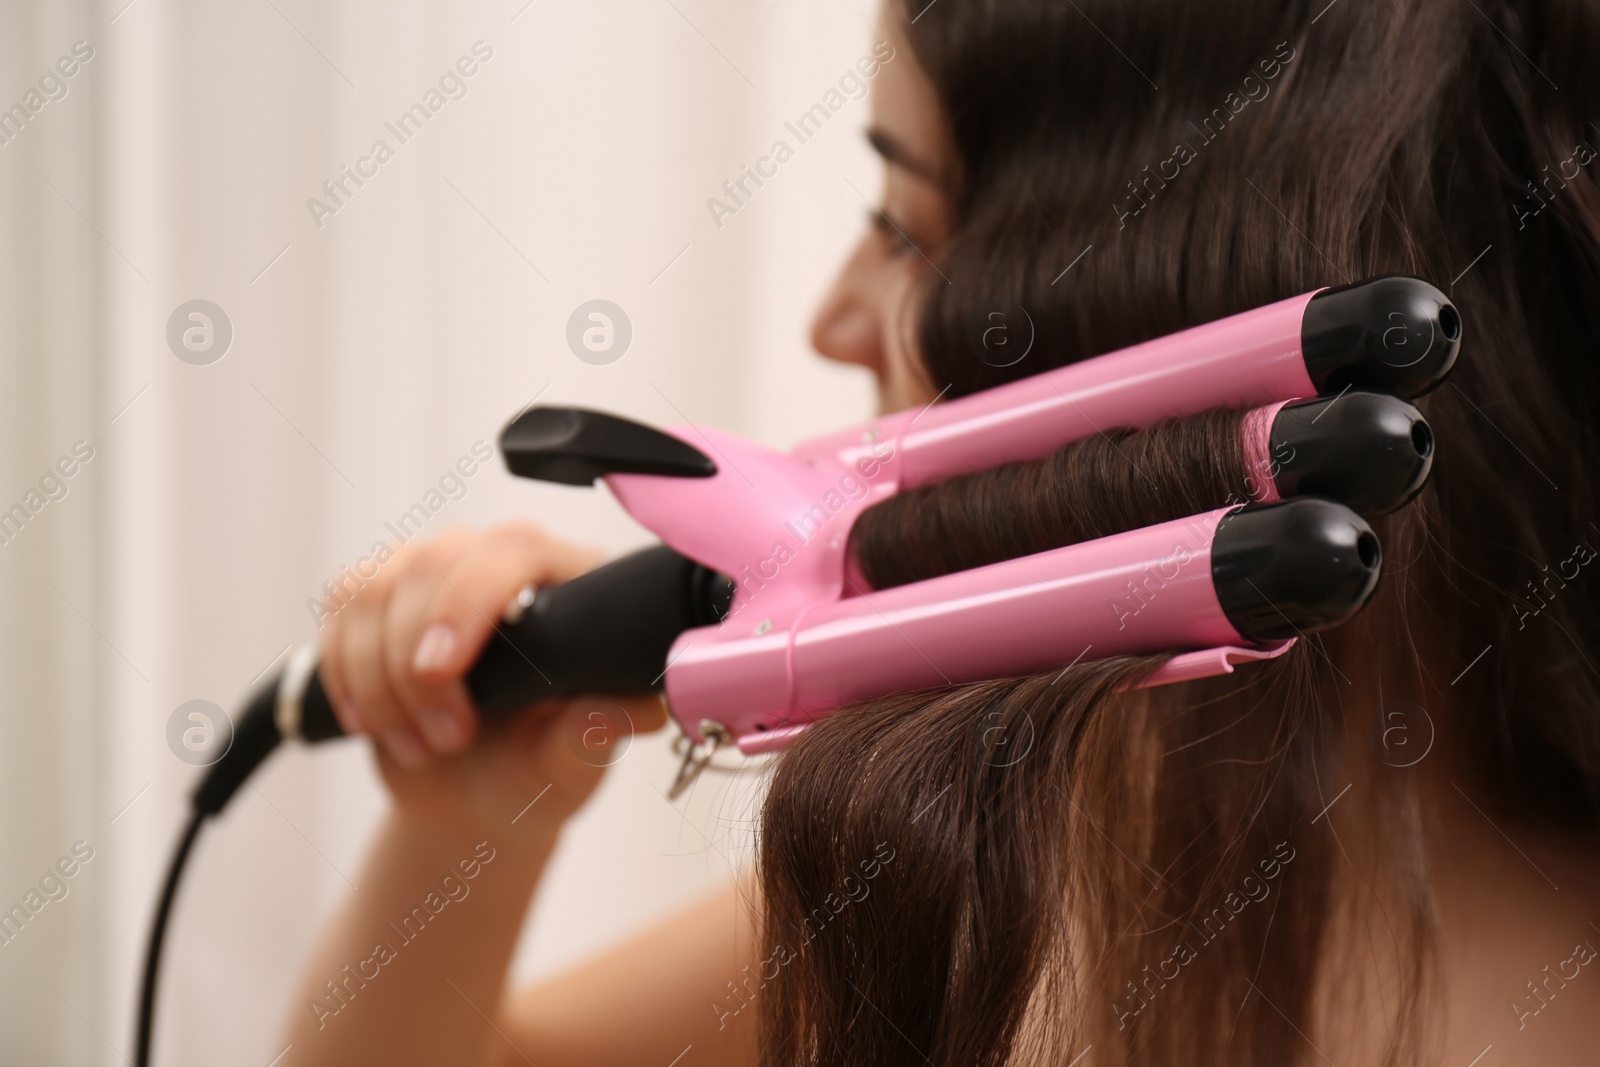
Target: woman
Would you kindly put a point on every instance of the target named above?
(1403, 819)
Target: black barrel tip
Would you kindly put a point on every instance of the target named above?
(1395, 333)
(1371, 451)
(1293, 568)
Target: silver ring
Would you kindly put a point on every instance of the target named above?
(288, 711)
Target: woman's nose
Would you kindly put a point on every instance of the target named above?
(848, 326)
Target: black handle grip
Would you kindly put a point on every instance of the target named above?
(607, 631)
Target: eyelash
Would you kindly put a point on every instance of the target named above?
(899, 244)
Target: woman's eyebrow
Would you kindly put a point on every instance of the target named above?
(895, 154)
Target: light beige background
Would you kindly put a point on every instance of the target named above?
(367, 356)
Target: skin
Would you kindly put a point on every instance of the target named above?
(393, 661)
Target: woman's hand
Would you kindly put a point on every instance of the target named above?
(393, 661)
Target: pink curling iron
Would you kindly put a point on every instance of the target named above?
(765, 534)
(753, 619)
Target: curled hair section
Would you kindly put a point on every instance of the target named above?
(1114, 481)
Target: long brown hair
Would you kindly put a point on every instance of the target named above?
(1072, 863)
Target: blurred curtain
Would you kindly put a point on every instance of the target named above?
(376, 331)
(52, 557)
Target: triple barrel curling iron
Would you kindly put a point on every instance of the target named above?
(755, 621)
(753, 618)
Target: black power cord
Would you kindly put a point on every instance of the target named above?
(254, 738)
(158, 930)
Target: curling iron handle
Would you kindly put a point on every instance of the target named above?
(607, 631)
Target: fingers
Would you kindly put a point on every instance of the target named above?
(395, 654)
(333, 678)
(440, 713)
(364, 639)
(343, 615)
(476, 589)
(368, 684)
